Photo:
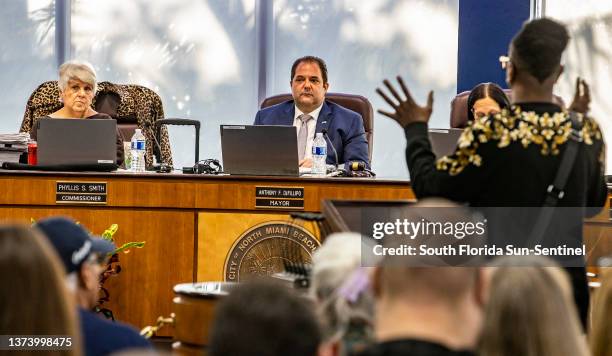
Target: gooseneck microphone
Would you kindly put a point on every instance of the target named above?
(163, 167)
(324, 132)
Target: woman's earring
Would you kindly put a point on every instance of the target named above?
(61, 100)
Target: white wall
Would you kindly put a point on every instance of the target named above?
(589, 55)
(27, 58)
(200, 56)
(365, 41)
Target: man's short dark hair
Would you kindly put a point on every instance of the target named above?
(264, 319)
(312, 59)
(538, 47)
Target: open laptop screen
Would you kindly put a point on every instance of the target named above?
(259, 150)
(444, 141)
(76, 141)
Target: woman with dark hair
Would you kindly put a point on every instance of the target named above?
(486, 99)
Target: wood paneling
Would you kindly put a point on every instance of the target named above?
(125, 192)
(196, 192)
(240, 195)
(598, 241)
(163, 210)
(193, 318)
(143, 289)
(217, 233)
(598, 235)
(189, 223)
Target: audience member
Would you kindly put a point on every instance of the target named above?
(489, 99)
(84, 259)
(601, 334)
(33, 298)
(530, 311)
(486, 99)
(425, 311)
(342, 291)
(512, 159)
(264, 319)
(311, 113)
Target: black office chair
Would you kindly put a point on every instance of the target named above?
(179, 122)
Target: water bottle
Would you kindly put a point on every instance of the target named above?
(319, 155)
(137, 152)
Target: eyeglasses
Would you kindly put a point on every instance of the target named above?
(504, 60)
(481, 114)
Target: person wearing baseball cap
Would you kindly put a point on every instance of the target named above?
(73, 243)
(84, 256)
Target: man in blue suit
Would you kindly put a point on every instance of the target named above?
(310, 113)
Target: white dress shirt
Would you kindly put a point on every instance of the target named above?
(312, 126)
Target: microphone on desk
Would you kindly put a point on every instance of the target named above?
(324, 132)
(357, 166)
(359, 169)
(353, 168)
(162, 167)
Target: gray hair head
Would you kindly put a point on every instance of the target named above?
(336, 265)
(79, 70)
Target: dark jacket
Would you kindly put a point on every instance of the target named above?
(509, 160)
(411, 347)
(103, 337)
(344, 128)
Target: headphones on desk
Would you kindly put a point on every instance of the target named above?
(206, 166)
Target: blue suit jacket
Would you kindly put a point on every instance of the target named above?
(344, 128)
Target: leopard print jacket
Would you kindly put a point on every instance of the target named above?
(136, 101)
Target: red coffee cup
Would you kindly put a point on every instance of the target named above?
(32, 151)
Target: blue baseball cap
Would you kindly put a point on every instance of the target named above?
(72, 242)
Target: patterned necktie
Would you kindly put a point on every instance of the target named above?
(303, 135)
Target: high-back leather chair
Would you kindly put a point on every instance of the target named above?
(356, 103)
(131, 105)
(459, 110)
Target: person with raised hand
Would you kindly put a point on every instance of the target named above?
(512, 160)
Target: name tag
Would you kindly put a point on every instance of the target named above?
(279, 198)
(80, 192)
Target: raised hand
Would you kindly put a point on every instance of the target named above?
(407, 111)
(582, 97)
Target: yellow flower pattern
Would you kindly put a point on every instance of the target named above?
(549, 132)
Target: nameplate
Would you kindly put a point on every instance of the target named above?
(279, 198)
(80, 193)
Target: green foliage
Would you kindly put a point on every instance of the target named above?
(112, 268)
(125, 248)
(108, 233)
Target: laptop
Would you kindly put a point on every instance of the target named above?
(444, 141)
(259, 150)
(76, 142)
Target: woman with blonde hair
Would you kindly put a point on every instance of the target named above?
(529, 311)
(601, 334)
(33, 298)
